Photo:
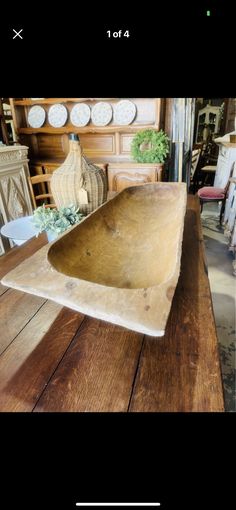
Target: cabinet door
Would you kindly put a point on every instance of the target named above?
(123, 180)
(233, 243)
(14, 195)
(121, 176)
(229, 201)
(222, 173)
(4, 242)
(226, 159)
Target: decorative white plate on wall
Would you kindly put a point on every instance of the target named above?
(36, 116)
(101, 114)
(57, 115)
(124, 112)
(80, 115)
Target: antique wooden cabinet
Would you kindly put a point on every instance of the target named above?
(14, 193)
(209, 116)
(226, 158)
(105, 145)
(230, 216)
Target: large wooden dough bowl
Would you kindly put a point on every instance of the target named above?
(120, 264)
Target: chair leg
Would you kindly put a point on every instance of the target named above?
(222, 210)
(201, 205)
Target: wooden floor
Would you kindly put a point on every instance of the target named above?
(53, 359)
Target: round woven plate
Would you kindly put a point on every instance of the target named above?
(57, 115)
(36, 116)
(80, 115)
(101, 114)
(124, 112)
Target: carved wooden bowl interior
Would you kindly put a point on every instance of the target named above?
(130, 242)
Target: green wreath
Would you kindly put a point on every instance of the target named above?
(157, 146)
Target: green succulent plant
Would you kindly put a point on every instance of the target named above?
(55, 220)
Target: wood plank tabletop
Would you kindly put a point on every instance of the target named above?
(53, 359)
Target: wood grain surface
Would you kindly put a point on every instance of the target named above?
(54, 359)
(181, 371)
(27, 365)
(16, 310)
(16, 255)
(97, 371)
(2, 289)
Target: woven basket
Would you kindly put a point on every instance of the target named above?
(78, 182)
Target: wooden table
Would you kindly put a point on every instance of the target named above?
(55, 359)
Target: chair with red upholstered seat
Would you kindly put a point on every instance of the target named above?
(212, 194)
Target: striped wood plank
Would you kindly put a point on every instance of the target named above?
(16, 255)
(16, 310)
(29, 362)
(181, 371)
(97, 372)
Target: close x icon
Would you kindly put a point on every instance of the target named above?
(17, 33)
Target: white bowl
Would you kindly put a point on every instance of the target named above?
(19, 230)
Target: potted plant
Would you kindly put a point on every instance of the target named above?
(150, 146)
(55, 221)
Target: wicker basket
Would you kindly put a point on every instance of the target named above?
(78, 182)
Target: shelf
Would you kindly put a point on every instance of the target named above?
(29, 102)
(109, 143)
(86, 129)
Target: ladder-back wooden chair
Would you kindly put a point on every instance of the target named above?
(206, 168)
(196, 153)
(42, 183)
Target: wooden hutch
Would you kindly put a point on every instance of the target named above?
(107, 146)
